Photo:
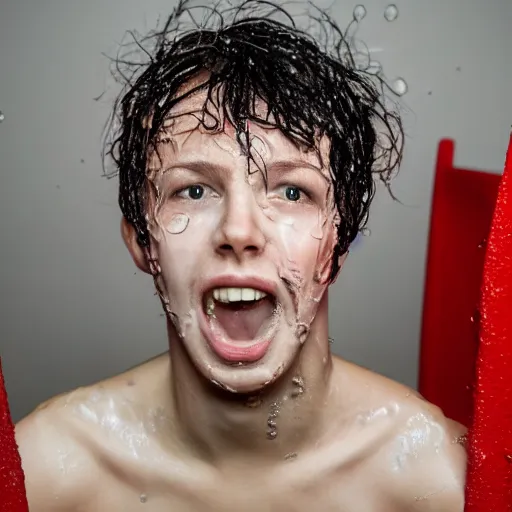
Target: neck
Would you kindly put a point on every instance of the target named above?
(279, 421)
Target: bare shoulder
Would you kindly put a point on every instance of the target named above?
(59, 469)
(67, 442)
(436, 479)
(424, 457)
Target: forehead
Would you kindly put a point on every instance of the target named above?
(188, 133)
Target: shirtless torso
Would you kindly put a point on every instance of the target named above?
(110, 446)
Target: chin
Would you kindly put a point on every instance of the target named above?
(242, 377)
(245, 380)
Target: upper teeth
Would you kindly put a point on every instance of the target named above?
(237, 294)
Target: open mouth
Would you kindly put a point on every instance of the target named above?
(240, 322)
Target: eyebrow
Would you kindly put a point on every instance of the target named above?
(290, 165)
(205, 167)
(199, 166)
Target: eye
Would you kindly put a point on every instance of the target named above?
(193, 192)
(292, 193)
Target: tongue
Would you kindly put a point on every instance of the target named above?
(242, 321)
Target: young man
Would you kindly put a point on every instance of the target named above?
(246, 158)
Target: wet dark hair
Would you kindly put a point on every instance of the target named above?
(312, 87)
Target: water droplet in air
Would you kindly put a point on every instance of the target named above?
(400, 86)
(2, 116)
(391, 12)
(359, 12)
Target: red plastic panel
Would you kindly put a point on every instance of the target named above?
(462, 208)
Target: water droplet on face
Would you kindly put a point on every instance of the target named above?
(2, 116)
(359, 12)
(400, 86)
(143, 498)
(178, 224)
(391, 12)
(290, 456)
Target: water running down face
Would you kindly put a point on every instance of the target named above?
(242, 261)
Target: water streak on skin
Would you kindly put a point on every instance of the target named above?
(122, 424)
(271, 422)
(421, 434)
(379, 413)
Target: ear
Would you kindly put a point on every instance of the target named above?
(130, 240)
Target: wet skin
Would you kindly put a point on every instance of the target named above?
(279, 424)
(116, 446)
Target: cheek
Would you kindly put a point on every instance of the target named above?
(307, 239)
(299, 245)
(180, 240)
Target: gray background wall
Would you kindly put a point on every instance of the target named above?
(73, 308)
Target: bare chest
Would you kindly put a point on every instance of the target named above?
(337, 492)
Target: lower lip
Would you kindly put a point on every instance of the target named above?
(234, 352)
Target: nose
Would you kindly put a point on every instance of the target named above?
(240, 233)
